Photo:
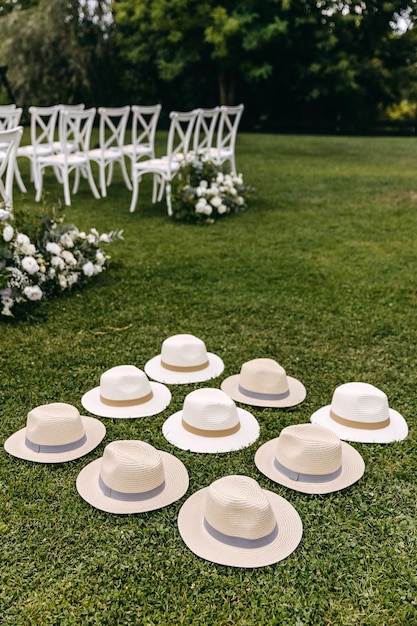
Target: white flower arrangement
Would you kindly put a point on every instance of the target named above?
(203, 192)
(62, 257)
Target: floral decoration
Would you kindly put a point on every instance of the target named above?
(60, 258)
(203, 192)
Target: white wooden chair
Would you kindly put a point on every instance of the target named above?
(112, 128)
(10, 118)
(10, 140)
(74, 136)
(204, 131)
(143, 130)
(230, 117)
(165, 168)
(43, 121)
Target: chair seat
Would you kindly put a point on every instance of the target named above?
(157, 165)
(39, 150)
(73, 158)
(109, 153)
(131, 150)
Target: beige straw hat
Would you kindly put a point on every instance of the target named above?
(210, 422)
(125, 392)
(184, 359)
(360, 412)
(132, 477)
(55, 433)
(311, 459)
(235, 522)
(264, 383)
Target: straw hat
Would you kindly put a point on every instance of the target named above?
(132, 477)
(55, 433)
(264, 383)
(235, 522)
(311, 459)
(184, 359)
(360, 412)
(210, 422)
(126, 392)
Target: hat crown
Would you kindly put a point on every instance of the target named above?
(183, 351)
(131, 466)
(54, 424)
(210, 409)
(123, 383)
(360, 402)
(263, 376)
(237, 506)
(309, 449)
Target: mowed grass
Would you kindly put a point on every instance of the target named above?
(319, 274)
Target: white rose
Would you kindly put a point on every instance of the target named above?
(8, 232)
(5, 215)
(203, 184)
(220, 177)
(100, 257)
(238, 180)
(56, 261)
(30, 265)
(104, 238)
(201, 205)
(91, 238)
(208, 209)
(216, 201)
(221, 209)
(53, 248)
(88, 269)
(62, 281)
(72, 278)
(33, 293)
(24, 245)
(68, 257)
(67, 241)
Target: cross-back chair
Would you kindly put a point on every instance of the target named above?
(112, 129)
(10, 140)
(74, 137)
(10, 118)
(165, 168)
(229, 121)
(143, 130)
(204, 131)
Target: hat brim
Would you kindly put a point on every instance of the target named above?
(353, 467)
(176, 485)
(395, 431)
(159, 401)
(155, 370)
(199, 541)
(94, 430)
(296, 388)
(175, 433)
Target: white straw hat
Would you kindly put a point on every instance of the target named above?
(235, 522)
(311, 459)
(184, 359)
(55, 433)
(264, 383)
(210, 422)
(132, 477)
(125, 392)
(360, 412)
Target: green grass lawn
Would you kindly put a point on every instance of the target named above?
(319, 274)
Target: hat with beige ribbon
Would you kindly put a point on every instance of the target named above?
(55, 433)
(126, 392)
(210, 422)
(184, 359)
(235, 522)
(132, 477)
(311, 459)
(263, 382)
(360, 412)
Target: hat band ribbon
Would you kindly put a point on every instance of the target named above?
(307, 478)
(65, 447)
(122, 403)
(130, 497)
(241, 542)
(263, 396)
(361, 425)
(203, 432)
(184, 368)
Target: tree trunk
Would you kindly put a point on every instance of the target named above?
(227, 88)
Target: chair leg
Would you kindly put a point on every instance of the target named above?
(65, 182)
(90, 178)
(19, 179)
(103, 188)
(125, 174)
(135, 194)
(168, 197)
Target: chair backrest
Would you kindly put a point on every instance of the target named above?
(72, 107)
(75, 128)
(204, 130)
(7, 107)
(112, 127)
(179, 135)
(42, 124)
(10, 118)
(144, 122)
(10, 140)
(228, 124)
